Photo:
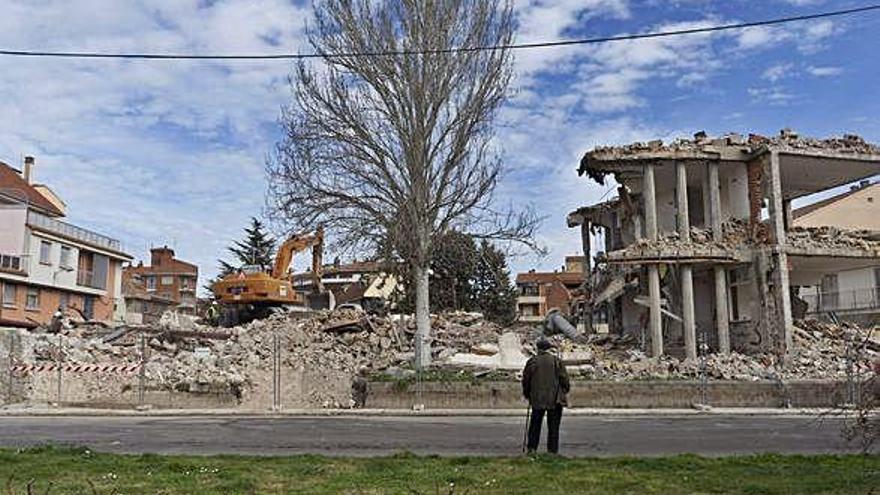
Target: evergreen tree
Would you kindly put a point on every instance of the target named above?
(255, 248)
(452, 267)
(493, 293)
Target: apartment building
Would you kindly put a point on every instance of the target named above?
(47, 263)
(539, 292)
(854, 293)
(701, 244)
(167, 278)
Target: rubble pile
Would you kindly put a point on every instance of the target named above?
(821, 351)
(736, 233)
(702, 142)
(322, 352)
(832, 237)
(329, 346)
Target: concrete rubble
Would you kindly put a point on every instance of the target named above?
(328, 348)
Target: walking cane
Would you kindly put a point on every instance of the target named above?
(526, 429)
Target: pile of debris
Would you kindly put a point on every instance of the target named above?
(832, 237)
(322, 352)
(329, 347)
(702, 142)
(821, 351)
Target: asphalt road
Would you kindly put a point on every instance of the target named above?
(365, 436)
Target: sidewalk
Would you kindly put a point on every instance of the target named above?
(31, 410)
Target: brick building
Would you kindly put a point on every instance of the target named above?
(539, 292)
(166, 277)
(46, 263)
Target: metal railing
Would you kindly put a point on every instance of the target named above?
(72, 231)
(845, 300)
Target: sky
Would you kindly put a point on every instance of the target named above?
(159, 152)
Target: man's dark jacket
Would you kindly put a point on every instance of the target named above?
(545, 381)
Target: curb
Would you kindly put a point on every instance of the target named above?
(428, 413)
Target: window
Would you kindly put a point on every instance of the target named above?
(737, 279)
(46, 252)
(151, 283)
(185, 283)
(9, 293)
(167, 280)
(89, 307)
(66, 257)
(33, 298)
(10, 262)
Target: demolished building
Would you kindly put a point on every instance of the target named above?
(700, 245)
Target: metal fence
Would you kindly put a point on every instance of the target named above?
(846, 300)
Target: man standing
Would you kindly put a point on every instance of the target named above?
(545, 385)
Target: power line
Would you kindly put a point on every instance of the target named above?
(513, 46)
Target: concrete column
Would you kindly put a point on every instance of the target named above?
(780, 273)
(588, 288)
(655, 323)
(773, 185)
(715, 201)
(687, 280)
(786, 213)
(681, 202)
(722, 317)
(650, 201)
(687, 310)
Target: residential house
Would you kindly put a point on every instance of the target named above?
(360, 282)
(701, 244)
(142, 307)
(47, 263)
(852, 293)
(539, 292)
(168, 278)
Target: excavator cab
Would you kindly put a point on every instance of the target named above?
(253, 293)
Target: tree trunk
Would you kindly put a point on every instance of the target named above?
(422, 343)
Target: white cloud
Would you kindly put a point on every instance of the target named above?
(771, 95)
(778, 71)
(152, 152)
(824, 71)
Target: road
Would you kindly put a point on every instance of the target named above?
(365, 436)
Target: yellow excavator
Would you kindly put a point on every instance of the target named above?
(252, 293)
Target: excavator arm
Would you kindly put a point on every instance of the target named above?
(296, 244)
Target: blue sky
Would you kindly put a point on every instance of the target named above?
(172, 152)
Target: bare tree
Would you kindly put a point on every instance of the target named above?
(388, 142)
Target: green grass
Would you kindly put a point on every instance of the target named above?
(80, 471)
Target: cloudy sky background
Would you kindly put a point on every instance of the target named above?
(172, 153)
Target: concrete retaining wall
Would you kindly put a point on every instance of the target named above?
(602, 394)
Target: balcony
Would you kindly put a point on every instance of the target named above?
(843, 301)
(530, 299)
(73, 232)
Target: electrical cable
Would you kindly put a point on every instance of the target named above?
(513, 46)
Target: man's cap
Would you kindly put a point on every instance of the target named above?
(543, 344)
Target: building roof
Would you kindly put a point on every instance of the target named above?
(804, 210)
(732, 146)
(172, 266)
(15, 187)
(566, 278)
(338, 268)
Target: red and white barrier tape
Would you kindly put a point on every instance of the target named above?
(76, 368)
